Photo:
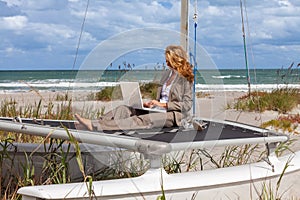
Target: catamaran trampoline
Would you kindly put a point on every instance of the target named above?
(150, 141)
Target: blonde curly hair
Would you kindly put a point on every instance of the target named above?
(176, 58)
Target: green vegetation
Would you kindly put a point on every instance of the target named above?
(40, 109)
(18, 173)
(148, 90)
(202, 95)
(285, 123)
(281, 100)
(271, 192)
(106, 94)
(59, 108)
(198, 159)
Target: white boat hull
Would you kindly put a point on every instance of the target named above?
(239, 182)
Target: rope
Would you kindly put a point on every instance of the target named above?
(81, 31)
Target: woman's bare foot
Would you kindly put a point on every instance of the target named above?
(83, 124)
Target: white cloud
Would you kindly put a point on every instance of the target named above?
(53, 31)
(11, 51)
(284, 3)
(119, 16)
(214, 11)
(14, 22)
(279, 22)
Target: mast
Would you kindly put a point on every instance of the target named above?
(184, 24)
(184, 40)
(245, 49)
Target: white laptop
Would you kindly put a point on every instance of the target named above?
(132, 97)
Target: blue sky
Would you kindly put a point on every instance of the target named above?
(44, 34)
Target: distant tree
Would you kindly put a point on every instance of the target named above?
(129, 66)
(124, 63)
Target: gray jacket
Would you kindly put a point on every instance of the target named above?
(180, 97)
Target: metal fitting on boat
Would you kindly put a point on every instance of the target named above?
(153, 147)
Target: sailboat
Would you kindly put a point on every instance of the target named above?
(238, 182)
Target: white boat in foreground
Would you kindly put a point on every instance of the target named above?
(239, 182)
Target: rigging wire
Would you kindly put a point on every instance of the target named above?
(81, 31)
(195, 62)
(80, 36)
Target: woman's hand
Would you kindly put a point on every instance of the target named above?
(153, 103)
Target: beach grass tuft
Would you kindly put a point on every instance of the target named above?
(286, 123)
(106, 94)
(270, 191)
(148, 90)
(282, 100)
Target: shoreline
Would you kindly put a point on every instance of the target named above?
(67, 86)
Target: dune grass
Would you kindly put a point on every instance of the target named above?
(285, 123)
(148, 90)
(282, 100)
(58, 110)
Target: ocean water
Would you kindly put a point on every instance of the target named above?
(206, 80)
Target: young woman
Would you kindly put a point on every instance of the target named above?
(174, 94)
